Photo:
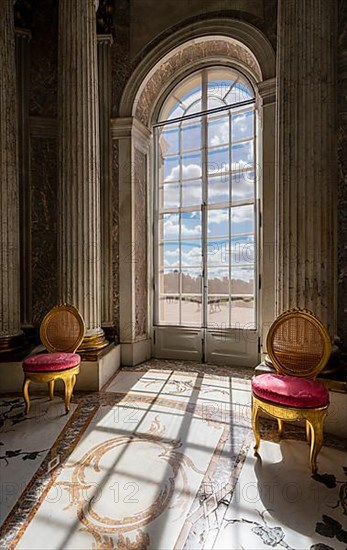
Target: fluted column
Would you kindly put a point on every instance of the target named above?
(79, 167)
(10, 333)
(306, 158)
(104, 77)
(23, 38)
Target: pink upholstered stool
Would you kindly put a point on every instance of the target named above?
(61, 332)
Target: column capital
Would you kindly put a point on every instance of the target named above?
(128, 127)
(104, 39)
(267, 90)
(24, 34)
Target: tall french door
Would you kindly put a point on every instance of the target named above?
(205, 221)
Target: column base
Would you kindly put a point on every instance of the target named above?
(12, 344)
(93, 342)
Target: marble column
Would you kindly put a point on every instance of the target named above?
(104, 77)
(23, 38)
(306, 158)
(10, 332)
(79, 166)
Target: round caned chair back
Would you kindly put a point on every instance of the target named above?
(62, 329)
(298, 344)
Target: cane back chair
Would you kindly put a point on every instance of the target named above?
(61, 332)
(299, 347)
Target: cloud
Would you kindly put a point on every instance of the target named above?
(188, 171)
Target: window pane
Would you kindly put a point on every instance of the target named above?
(171, 170)
(220, 81)
(243, 186)
(169, 226)
(169, 282)
(191, 310)
(218, 222)
(184, 95)
(191, 166)
(243, 313)
(218, 312)
(169, 310)
(242, 156)
(218, 160)
(218, 280)
(242, 281)
(192, 193)
(242, 219)
(191, 253)
(218, 253)
(169, 196)
(218, 130)
(242, 126)
(241, 91)
(168, 140)
(191, 224)
(218, 189)
(191, 135)
(191, 281)
(169, 254)
(242, 250)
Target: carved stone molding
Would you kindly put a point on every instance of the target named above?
(237, 40)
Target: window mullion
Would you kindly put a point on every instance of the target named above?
(204, 165)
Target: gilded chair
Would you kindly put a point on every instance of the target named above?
(61, 332)
(299, 347)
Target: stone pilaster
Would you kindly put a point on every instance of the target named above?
(10, 332)
(23, 38)
(306, 158)
(104, 76)
(133, 145)
(79, 176)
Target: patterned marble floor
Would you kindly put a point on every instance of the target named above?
(162, 459)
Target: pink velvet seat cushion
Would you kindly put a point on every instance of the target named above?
(51, 362)
(290, 390)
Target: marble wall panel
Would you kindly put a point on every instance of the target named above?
(44, 59)
(141, 291)
(115, 236)
(43, 225)
(342, 229)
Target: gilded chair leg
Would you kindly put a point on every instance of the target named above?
(308, 433)
(255, 413)
(26, 395)
(316, 426)
(280, 427)
(51, 389)
(74, 378)
(68, 382)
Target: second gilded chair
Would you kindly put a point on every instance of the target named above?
(299, 347)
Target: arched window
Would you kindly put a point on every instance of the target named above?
(205, 203)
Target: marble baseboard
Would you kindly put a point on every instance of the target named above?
(136, 352)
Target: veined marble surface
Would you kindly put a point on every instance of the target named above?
(155, 461)
(25, 441)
